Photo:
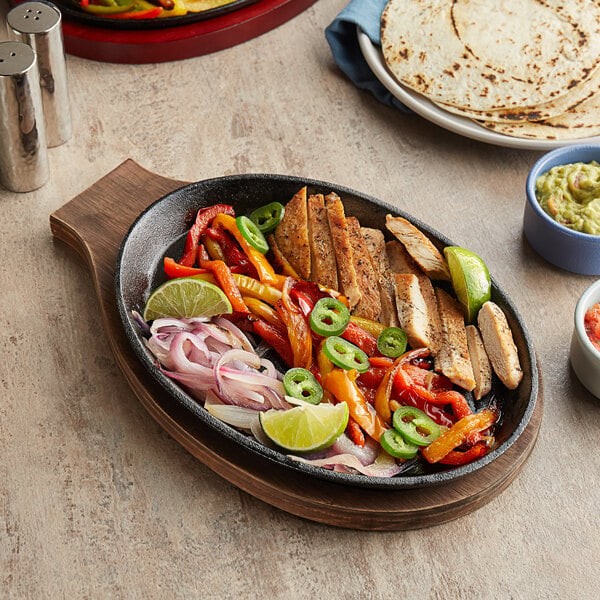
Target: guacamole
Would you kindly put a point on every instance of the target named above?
(570, 194)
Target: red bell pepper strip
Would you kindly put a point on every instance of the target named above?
(355, 433)
(342, 385)
(203, 219)
(361, 338)
(456, 457)
(384, 389)
(458, 434)
(273, 336)
(233, 254)
(174, 269)
(459, 404)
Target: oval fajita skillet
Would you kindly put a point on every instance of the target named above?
(161, 230)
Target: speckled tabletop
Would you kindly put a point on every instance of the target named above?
(98, 502)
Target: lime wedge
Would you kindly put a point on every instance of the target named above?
(186, 297)
(470, 279)
(305, 428)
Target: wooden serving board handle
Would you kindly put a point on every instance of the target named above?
(93, 224)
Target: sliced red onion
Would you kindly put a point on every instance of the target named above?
(384, 465)
(236, 416)
(366, 454)
(246, 344)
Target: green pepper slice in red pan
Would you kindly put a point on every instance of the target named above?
(267, 217)
(415, 426)
(329, 317)
(302, 384)
(392, 342)
(252, 234)
(345, 355)
(395, 445)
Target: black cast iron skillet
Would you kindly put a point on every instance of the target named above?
(161, 230)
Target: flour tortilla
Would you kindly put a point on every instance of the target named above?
(487, 55)
(580, 122)
(563, 104)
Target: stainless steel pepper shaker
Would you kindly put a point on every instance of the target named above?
(23, 153)
(39, 25)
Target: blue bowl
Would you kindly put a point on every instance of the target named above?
(568, 249)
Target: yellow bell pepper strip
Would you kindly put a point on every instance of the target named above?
(263, 310)
(254, 288)
(384, 389)
(213, 248)
(325, 367)
(248, 286)
(342, 384)
(203, 219)
(298, 329)
(372, 327)
(225, 280)
(458, 434)
(265, 271)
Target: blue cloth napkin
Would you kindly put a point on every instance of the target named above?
(343, 41)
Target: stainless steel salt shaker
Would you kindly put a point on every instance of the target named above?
(39, 25)
(23, 153)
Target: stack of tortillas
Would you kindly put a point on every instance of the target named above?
(523, 68)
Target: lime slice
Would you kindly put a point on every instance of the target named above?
(305, 428)
(470, 279)
(186, 297)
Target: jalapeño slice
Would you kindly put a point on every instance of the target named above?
(252, 234)
(395, 445)
(302, 384)
(392, 342)
(267, 217)
(415, 426)
(345, 355)
(329, 317)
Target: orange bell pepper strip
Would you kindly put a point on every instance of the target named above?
(265, 271)
(263, 310)
(455, 457)
(355, 433)
(299, 334)
(458, 434)
(225, 279)
(342, 384)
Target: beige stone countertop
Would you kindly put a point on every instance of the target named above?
(97, 501)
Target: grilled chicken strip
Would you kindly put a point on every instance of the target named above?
(400, 260)
(499, 344)
(369, 305)
(322, 253)
(417, 311)
(291, 234)
(482, 369)
(420, 247)
(453, 357)
(375, 243)
(343, 249)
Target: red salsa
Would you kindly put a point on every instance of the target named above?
(592, 325)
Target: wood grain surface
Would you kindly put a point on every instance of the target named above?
(98, 501)
(94, 224)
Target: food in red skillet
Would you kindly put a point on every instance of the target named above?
(381, 365)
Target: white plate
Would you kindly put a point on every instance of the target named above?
(455, 123)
